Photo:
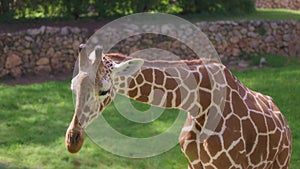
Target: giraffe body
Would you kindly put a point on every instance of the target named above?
(248, 129)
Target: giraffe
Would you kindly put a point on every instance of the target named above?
(251, 131)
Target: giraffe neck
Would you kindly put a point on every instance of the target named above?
(185, 85)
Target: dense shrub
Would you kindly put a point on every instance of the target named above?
(217, 6)
(238, 6)
(14, 9)
(6, 9)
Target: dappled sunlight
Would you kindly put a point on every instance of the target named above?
(285, 11)
(130, 128)
(34, 114)
(33, 127)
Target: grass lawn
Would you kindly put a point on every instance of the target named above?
(259, 14)
(33, 121)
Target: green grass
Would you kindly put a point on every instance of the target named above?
(274, 61)
(259, 14)
(33, 121)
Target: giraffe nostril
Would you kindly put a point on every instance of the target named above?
(73, 137)
(77, 137)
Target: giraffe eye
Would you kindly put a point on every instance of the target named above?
(103, 92)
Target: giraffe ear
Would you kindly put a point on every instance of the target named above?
(82, 58)
(127, 68)
(96, 57)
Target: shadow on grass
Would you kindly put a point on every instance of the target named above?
(162, 119)
(40, 113)
(36, 114)
(3, 166)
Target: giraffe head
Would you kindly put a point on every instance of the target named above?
(94, 90)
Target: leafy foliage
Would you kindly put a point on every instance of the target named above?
(217, 6)
(74, 9)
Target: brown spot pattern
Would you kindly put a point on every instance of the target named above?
(250, 131)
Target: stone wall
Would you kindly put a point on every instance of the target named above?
(231, 39)
(54, 50)
(286, 4)
(38, 51)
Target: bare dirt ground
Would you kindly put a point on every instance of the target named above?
(18, 26)
(32, 79)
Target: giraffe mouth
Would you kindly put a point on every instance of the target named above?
(74, 136)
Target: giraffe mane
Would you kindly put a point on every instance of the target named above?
(118, 58)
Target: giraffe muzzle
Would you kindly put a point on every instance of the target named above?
(74, 136)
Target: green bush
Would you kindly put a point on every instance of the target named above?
(15, 9)
(74, 8)
(238, 6)
(106, 8)
(6, 7)
(217, 6)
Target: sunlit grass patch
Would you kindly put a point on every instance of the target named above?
(259, 14)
